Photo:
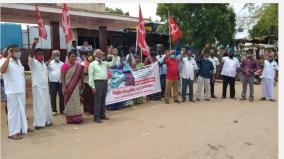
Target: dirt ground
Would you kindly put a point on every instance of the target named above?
(219, 129)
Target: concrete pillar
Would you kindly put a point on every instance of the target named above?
(103, 38)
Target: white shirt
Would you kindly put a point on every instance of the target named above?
(230, 66)
(54, 71)
(188, 67)
(214, 61)
(39, 73)
(117, 62)
(86, 47)
(133, 60)
(2, 60)
(14, 78)
(269, 69)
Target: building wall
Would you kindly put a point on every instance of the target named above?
(99, 7)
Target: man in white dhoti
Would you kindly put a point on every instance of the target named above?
(269, 69)
(41, 97)
(14, 79)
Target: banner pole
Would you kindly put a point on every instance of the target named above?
(169, 30)
(136, 39)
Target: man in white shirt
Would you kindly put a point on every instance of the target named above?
(215, 62)
(114, 52)
(55, 86)
(41, 101)
(269, 70)
(14, 79)
(178, 58)
(229, 71)
(130, 57)
(163, 72)
(3, 57)
(188, 69)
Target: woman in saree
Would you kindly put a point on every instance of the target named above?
(72, 80)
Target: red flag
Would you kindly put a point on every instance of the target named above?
(142, 35)
(41, 29)
(175, 32)
(65, 20)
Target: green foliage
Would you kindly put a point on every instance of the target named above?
(267, 21)
(116, 11)
(200, 23)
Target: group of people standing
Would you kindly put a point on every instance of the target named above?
(86, 81)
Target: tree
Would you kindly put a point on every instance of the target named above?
(116, 11)
(267, 21)
(200, 23)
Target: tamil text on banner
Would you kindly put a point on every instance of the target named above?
(133, 84)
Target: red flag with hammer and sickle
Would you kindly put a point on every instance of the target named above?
(142, 35)
(65, 19)
(41, 29)
(175, 32)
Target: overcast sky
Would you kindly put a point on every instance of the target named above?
(149, 9)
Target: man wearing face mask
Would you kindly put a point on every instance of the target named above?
(206, 69)
(248, 67)
(214, 60)
(188, 69)
(55, 86)
(41, 101)
(98, 83)
(268, 75)
(163, 71)
(229, 71)
(172, 76)
(117, 59)
(14, 79)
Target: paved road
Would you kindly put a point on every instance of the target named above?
(219, 129)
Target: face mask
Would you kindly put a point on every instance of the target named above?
(17, 55)
(109, 59)
(231, 55)
(56, 59)
(39, 57)
(249, 55)
(99, 60)
(173, 56)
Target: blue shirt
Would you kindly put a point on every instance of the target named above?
(206, 68)
(163, 68)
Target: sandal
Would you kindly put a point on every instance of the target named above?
(50, 124)
(30, 130)
(16, 137)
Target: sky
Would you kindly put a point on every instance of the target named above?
(149, 9)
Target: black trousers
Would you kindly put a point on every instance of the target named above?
(231, 81)
(54, 88)
(187, 83)
(212, 83)
(163, 84)
(100, 99)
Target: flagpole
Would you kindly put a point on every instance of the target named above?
(136, 39)
(169, 30)
(141, 56)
